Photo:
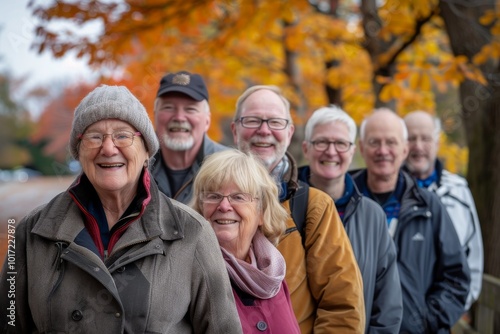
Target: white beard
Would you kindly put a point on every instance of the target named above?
(178, 144)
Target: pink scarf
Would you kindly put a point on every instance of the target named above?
(263, 277)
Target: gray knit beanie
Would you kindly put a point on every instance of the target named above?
(106, 102)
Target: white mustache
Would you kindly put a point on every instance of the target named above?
(181, 125)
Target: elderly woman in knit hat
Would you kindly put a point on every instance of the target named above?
(112, 254)
(239, 198)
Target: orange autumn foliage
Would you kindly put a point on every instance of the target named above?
(399, 56)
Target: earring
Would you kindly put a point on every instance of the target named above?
(146, 163)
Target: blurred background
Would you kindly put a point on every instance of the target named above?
(438, 56)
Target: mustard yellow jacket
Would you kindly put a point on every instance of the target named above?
(324, 280)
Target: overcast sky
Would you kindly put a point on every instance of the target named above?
(16, 36)
(20, 61)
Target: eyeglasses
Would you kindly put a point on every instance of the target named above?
(323, 145)
(234, 198)
(119, 138)
(376, 143)
(426, 140)
(251, 122)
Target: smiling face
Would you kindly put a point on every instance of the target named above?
(234, 224)
(329, 164)
(181, 122)
(383, 145)
(423, 144)
(111, 169)
(269, 145)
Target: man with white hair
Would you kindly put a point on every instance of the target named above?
(423, 137)
(433, 270)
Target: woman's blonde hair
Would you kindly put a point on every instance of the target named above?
(250, 176)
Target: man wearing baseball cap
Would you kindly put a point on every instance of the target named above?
(182, 118)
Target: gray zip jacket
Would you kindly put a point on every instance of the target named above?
(366, 226)
(165, 274)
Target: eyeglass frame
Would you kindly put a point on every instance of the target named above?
(229, 198)
(328, 142)
(426, 140)
(262, 121)
(82, 138)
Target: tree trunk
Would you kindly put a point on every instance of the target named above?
(333, 95)
(375, 46)
(292, 71)
(481, 118)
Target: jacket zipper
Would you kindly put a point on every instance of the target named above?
(59, 267)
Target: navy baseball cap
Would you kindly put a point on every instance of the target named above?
(184, 82)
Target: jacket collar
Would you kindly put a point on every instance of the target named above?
(438, 167)
(438, 170)
(61, 219)
(159, 169)
(85, 195)
(412, 195)
(289, 179)
(349, 200)
(159, 163)
(351, 191)
(409, 193)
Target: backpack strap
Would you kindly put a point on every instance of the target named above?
(298, 208)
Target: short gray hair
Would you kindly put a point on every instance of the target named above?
(435, 120)
(327, 115)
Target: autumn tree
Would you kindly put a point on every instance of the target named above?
(402, 54)
(480, 111)
(15, 125)
(54, 126)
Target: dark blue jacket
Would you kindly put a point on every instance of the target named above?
(433, 270)
(454, 193)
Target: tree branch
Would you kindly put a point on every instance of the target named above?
(385, 68)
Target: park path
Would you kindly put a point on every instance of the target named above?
(17, 199)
